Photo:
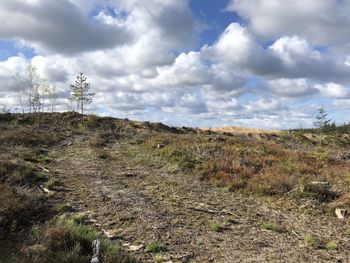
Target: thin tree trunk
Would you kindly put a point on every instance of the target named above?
(20, 99)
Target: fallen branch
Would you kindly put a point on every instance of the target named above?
(45, 170)
(209, 211)
(291, 191)
(341, 213)
(186, 256)
(42, 188)
(96, 248)
(319, 183)
(204, 210)
(296, 234)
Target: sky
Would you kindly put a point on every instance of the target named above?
(267, 64)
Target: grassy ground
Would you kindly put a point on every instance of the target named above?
(160, 193)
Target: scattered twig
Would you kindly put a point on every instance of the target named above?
(204, 210)
(186, 256)
(321, 183)
(222, 212)
(291, 191)
(45, 170)
(42, 188)
(296, 234)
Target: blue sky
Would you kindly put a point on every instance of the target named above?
(10, 48)
(266, 64)
(214, 14)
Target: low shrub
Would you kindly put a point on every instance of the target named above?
(19, 210)
(28, 137)
(19, 173)
(67, 240)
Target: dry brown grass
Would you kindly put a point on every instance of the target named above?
(18, 210)
(260, 167)
(27, 137)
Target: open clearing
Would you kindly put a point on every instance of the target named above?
(160, 213)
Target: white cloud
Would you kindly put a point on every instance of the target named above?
(325, 22)
(8, 69)
(291, 87)
(57, 26)
(333, 90)
(263, 105)
(342, 103)
(154, 71)
(235, 48)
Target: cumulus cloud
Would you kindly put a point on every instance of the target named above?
(291, 87)
(143, 61)
(287, 57)
(325, 22)
(333, 90)
(8, 68)
(57, 26)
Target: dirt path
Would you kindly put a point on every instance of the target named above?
(140, 205)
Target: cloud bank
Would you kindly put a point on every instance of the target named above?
(143, 60)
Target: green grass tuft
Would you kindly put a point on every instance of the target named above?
(331, 245)
(215, 227)
(64, 208)
(271, 226)
(310, 240)
(155, 248)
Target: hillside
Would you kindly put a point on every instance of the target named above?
(153, 193)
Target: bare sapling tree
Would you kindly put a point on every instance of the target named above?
(19, 87)
(80, 92)
(322, 122)
(35, 85)
(52, 95)
(48, 93)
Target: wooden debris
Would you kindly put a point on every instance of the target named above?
(296, 234)
(111, 234)
(185, 257)
(45, 170)
(341, 213)
(134, 248)
(221, 212)
(291, 191)
(96, 248)
(319, 183)
(42, 188)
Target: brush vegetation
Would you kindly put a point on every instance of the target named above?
(286, 170)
